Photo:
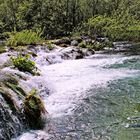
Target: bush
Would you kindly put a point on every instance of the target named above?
(25, 37)
(117, 27)
(24, 64)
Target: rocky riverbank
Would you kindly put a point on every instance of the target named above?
(15, 85)
(13, 94)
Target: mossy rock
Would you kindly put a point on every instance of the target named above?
(9, 99)
(7, 77)
(50, 46)
(32, 53)
(63, 45)
(82, 45)
(64, 40)
(34, 108)
(77, 38)
(16, 88)
(2, 49)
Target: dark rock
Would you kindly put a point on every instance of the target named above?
(62, 41)
(79, 56)
(64, 45)
(79, 39)
(88, 51)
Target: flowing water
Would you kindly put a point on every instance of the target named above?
(96, 98)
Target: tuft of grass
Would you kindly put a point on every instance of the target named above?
(25, 37)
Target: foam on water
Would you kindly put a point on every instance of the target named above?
(69, 81)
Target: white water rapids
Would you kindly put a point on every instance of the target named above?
(67, 83)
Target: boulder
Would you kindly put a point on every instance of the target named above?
(62, 41)
(33, 109)
(74, 43)
(88, 51)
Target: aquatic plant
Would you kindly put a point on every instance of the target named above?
(33, 108)
(24, 63)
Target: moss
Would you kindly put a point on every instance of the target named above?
(77, 38)
(7, 77)
(20, 48)
(32, 53)
(2, 49)
(9, 100)
(50, 46)
(82, 45)
(24, 64)
(64, 45)
(16, 89)
(33, 108)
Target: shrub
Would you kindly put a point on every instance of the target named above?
(25, 37)
(117, 27)
(24, 64)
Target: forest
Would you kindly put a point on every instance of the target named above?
(117, 19)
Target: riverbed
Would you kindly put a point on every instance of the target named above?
(95, 98)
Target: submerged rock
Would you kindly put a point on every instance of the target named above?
(76, 53)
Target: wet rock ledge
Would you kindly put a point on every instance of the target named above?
(17, 108)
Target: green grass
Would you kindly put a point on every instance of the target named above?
(25, 37)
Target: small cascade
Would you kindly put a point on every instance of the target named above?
(11, 120)
(70, 80)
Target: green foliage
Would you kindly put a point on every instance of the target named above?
(33, 108)
(120, 27)
(82, 44)
(24, 37)
(2, 49)
(24, 64)
(96, 46)
(16, 88)
(67, 17)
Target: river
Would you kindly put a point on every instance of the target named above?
(96, 98)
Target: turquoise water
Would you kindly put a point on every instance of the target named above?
(91, 99)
